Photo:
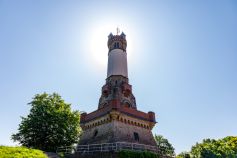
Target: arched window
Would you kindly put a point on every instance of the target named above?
(127, 105)
(95, 133)
(117, 45)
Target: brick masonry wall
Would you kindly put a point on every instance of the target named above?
(125, 132)
(104, 134)
(116, 131)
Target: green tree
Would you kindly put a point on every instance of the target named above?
(211, 148)
(183, 155)
(166, 149)
(50, 124)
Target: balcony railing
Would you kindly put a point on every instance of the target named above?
(108, 147)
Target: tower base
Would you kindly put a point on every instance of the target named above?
(116, 126)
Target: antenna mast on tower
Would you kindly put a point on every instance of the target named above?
(118, 30)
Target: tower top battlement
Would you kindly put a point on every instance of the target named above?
(117, 42)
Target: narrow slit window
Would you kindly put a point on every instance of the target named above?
(136, 136)
(95, 133)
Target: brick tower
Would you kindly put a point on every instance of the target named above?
(117, 118)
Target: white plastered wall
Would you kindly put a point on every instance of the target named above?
(117, 63)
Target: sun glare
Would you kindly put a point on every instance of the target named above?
(98, 42)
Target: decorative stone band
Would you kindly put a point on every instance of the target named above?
(117, 116)
(115, 105)
(125, 115)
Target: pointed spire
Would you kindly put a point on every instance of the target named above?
(110, 35)
(123, 35)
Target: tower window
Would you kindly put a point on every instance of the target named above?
(117, 45)
(136, 136)
(127, 105)
(95, 133)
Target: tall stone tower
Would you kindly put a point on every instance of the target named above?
(117, 118)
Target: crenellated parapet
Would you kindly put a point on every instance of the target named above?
(117, 42)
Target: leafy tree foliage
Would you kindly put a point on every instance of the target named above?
(211, 148)
(183, 155)
(166, 149)
(50, 124)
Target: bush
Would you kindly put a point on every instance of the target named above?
(20, 152)
(136, 154)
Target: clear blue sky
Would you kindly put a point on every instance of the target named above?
(182, 60)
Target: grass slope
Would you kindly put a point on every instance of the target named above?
(20, 152)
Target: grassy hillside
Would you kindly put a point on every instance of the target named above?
(20, 152)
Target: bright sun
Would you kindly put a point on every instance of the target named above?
(98, 43)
